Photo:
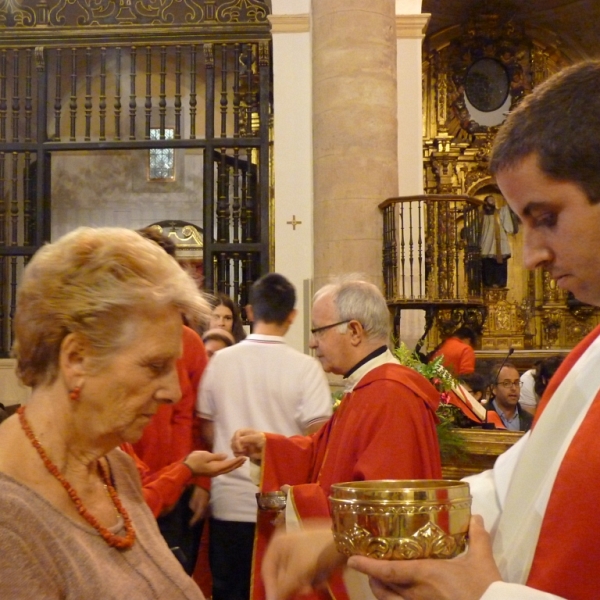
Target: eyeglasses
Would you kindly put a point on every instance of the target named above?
(319, 330)
(508, 384)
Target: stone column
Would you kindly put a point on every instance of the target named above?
(410, 30)
(292, 156)
(354, 133)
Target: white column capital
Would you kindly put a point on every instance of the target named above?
(290, 23)
(408, 7)
(411, 26)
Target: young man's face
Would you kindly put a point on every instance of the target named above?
(560, 227)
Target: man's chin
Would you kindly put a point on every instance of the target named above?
(328, 367)
(586, 296)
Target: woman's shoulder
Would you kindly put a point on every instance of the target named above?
(123, 467)
(12, 456)
(21, 508)
(126, 476)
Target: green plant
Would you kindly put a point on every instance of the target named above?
(435, 371)
(336, 399)
(452, 445)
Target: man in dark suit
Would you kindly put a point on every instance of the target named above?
(506, 389)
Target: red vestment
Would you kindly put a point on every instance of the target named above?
(383, 429)
(566, 556)
(459, 358)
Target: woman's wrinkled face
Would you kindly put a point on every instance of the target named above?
(123, 393)
(221, 318)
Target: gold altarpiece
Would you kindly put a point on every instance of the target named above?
(531, 312)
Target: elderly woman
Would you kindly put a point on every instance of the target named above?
(98, 330)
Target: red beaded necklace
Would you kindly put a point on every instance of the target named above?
(120, 542)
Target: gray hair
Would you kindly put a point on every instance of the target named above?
(92, 281)
(356, 299)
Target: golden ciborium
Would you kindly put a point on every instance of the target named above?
(401, 519)
(271, 501)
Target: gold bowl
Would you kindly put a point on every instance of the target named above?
(401, 519)
(271, 501)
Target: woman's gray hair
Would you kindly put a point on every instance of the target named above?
(362, 301)
(93, 282)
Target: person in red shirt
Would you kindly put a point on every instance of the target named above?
(458, 352)
(163, 488)
(169, 438)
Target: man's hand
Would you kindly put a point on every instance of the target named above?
(299, 561)
(198, 504)
(248, 442)
(210, 465)
(465, 577)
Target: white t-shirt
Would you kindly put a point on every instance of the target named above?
(260, 383)
(528, 397)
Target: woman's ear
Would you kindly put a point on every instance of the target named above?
(73, 352)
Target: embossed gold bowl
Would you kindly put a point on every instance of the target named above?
(401, 519)
(271, 501)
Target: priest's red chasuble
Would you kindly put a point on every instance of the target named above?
(383, 429)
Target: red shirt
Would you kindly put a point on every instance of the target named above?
(459, 357)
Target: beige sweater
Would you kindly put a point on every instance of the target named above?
(46, 555)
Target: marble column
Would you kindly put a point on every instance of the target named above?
(292, 156)
(410, 30)
(354, 133)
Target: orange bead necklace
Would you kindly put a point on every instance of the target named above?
(120, 542)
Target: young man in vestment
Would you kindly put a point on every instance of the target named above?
(536, 532)
(384, 427)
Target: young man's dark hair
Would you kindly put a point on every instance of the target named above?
(569, 149)
(272, 298)
(544, 372)
(478, 384)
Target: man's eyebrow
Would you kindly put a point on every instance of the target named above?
(533, 206)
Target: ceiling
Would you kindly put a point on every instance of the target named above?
(572, 24)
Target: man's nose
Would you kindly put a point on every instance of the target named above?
(535, 251)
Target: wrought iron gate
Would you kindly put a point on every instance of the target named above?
(95, 76)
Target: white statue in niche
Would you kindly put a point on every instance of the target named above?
(496, 224)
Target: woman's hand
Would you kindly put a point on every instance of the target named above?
(207, 464)
(248, 442)
(465, 577)
(299, 561)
